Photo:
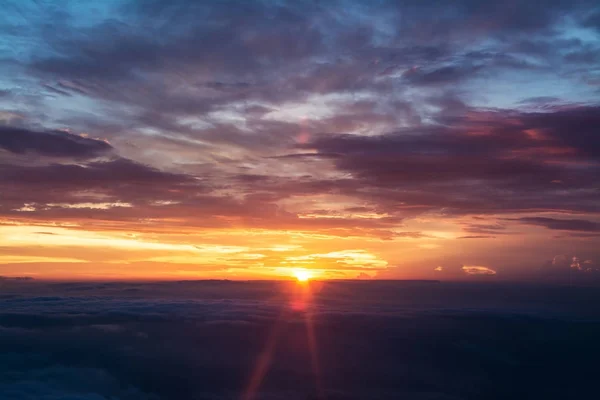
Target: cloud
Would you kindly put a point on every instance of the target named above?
(478, 270)
(571, 269)
(51, 143)
(93, 174)
(259, 115)
(444, 75)
(399, 174)
(60, 339)
(413, 166)
(54, 382)
(559, 260)
(562, 224)
(593, 21)
(112, 181)
(485, 229)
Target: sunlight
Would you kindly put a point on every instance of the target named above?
(302, 275)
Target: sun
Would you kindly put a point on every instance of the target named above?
(302, 275)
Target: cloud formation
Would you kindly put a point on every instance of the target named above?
(51, 144)
(519, 169)
(580, 225)
(397, 122)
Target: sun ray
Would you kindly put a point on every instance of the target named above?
(312, 345)
(264, 361)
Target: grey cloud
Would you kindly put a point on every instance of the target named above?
(90, 175)
(540, 100)
(51, 143)
(593, 21)
(485, 229)
(562, 224)
(444, 75)
(284, 46)
(428, 160)
(585, 56)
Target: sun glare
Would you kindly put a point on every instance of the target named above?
(302, 275)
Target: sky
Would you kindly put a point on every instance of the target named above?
(378, 139)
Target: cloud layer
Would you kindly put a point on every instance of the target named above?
(202, 340)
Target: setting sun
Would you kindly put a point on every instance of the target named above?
(302, 275)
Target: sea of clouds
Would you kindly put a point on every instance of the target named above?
(372, 340)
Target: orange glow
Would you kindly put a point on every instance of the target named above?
(121, 251)
(112, 251)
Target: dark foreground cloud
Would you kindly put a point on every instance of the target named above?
(581, 225)
(483, 162)
(51, 144)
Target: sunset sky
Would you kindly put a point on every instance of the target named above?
(251, 139)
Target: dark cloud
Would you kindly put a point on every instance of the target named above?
(119, 191)
(587, 56)
(92, 175)
(593, 21)
(475, 163)
(51, 143)
(49, 190)
(522, 159)
(575, 128)
(540, 100)
(444, 75)
(116, 50)
(482, 228)
(562, 224)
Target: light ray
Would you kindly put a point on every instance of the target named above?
(312, 344)
(301, 301)
(264, 360)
